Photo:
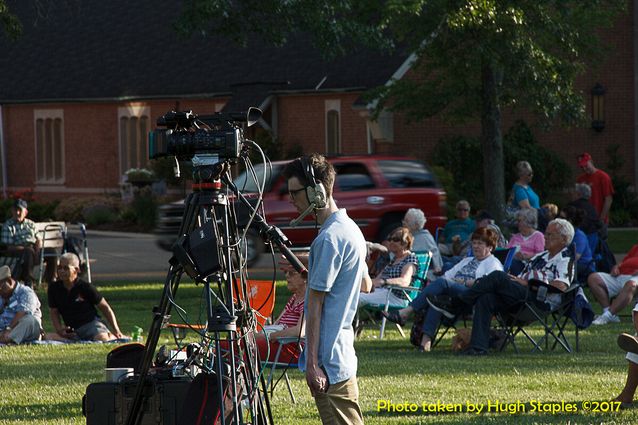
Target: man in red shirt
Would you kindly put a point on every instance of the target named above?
(602, 190)
(621, 283)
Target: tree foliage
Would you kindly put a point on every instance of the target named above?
(9, 23)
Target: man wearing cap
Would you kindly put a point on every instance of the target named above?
(602, 190)
(19, 234)
(20, 316)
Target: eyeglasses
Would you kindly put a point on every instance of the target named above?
(395, 239)
(462, 209)
(292, 193)
(64, 267)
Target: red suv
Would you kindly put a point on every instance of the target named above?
(375, 190)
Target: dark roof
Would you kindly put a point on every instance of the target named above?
(117, 49)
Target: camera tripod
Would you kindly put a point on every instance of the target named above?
(208, 251)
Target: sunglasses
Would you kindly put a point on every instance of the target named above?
(64, 267)
(462, 209)
(395, 239)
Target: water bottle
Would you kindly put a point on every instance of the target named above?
(136, 335)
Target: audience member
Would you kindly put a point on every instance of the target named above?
(456, 234)
(414, 220)
(399, 272)
(528, 240)
(584, 259)
(629, 343)
(75, 301)
(485, 219)
(621, 284)
(500, 291)
(522, 193)
(551, 211)
(602, 190)
(19, 234)
(456, 280)
(20, 316)
(591, 222)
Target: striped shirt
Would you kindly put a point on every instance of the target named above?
(292, 312)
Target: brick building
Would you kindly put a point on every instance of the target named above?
(85, 83)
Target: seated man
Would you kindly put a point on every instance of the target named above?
(500, 291)
(456, 233)
(20, 316)
(20, 237)
(75, 300)
(621, 283)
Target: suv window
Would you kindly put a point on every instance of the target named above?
(401, 173)
(353, 176)
(246, 183)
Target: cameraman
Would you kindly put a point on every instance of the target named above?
(336, 269)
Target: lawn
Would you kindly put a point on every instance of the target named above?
(45, 384)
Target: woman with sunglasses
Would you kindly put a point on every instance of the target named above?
(399, 272)
(456, 280)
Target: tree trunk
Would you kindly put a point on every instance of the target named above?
(492, 142)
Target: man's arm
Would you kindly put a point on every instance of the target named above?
(106, 310)
(56, 321)
(366, 283)
(604, 213)
(315, 378)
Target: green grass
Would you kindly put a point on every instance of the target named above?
(622, 239)
(45, 384)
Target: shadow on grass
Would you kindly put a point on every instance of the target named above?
(41, 411)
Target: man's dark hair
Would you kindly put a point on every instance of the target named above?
(324, 171)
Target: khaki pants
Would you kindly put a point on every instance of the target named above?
(340, 405)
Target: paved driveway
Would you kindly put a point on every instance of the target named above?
(117, 256)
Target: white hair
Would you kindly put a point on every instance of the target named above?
(416, 216)
(565, 228)
(583, 190)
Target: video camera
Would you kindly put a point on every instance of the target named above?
(187, 134)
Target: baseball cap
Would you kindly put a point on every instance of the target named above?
(5, 273)
(20, 203)
(583, 159)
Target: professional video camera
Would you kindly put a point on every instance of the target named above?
(187, 134)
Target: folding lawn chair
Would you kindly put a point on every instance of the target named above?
(277, 364)
(554, 322)
(418, 281)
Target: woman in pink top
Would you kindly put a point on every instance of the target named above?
(529, 240)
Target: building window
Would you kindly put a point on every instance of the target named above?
(134, 127)
(333, 127)
(49, 146)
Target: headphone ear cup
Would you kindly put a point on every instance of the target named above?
(320, 196)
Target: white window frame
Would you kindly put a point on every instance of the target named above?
(46, 114)
(133, 111)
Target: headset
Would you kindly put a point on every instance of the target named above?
(315, 192)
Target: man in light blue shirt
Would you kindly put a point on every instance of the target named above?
(336, 269)
(20, 315)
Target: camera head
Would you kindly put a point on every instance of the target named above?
(188, 134)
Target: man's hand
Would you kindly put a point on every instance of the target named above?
(615, 270)
(517, 279)
(316, 380)
(67, 332)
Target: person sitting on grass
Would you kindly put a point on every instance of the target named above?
(456, 280)
(500, 291)
(629, 343)
(20, 316)
(621, 284)
(74, 301)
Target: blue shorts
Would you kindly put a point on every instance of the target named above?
(89, 330)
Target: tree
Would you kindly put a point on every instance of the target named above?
(472, 57)
(9, 22)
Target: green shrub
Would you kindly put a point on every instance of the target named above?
(144, 208)
(72, 209)
(624, 208)
(99, 214)
(458, 156)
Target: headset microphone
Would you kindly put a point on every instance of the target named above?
(303, 215)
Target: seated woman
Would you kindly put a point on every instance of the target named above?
(398, 272)
(288, 324)
(456, 280)
(584, 259)
(529, 241)
(414, 220)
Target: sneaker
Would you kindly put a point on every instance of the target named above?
(628, 343)
(606, 318)
(444, 305)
